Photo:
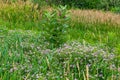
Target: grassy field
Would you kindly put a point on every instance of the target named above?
(88, 50)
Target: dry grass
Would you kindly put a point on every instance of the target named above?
(19, 2)
(94, 16)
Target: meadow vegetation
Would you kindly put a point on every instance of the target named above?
(42, 41)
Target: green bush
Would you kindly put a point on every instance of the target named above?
(55, 25)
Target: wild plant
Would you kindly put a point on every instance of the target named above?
(55, 25)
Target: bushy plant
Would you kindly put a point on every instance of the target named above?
(55, 25)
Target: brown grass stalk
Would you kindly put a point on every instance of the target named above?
(87, 72)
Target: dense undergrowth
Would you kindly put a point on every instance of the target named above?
(109, 5)
(52, 43)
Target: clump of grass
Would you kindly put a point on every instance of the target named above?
(21, 15)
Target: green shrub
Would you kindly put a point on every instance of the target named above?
(55, 25)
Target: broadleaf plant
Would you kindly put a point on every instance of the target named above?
(55, 25)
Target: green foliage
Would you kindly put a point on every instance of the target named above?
(55, 25)
(115, 9)
(90, 4)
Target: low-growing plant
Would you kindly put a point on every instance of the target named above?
(55, 25)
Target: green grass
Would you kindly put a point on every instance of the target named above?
(23, 56)
(91, 51)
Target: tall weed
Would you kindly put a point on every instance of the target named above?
(55, 24)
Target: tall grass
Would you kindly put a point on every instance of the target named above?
(23, 16)
(91, 50)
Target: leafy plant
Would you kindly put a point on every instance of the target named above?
(55, 24)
